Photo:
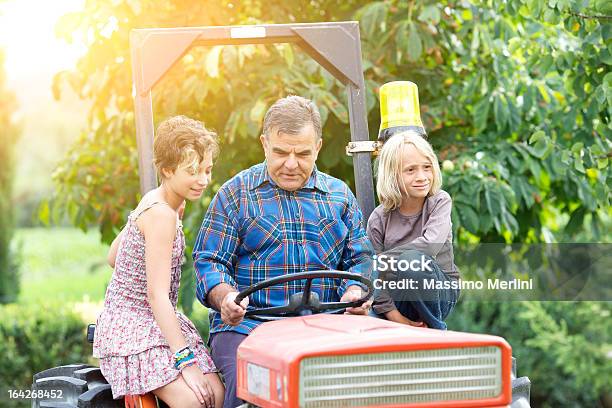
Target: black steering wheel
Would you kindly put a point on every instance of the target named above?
(306, 302)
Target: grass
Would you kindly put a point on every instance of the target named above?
(66, 265)
(62, 264)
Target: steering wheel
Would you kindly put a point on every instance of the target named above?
(306, 302)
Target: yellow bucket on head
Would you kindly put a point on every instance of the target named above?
(399, 109)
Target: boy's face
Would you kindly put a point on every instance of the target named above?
(190, 184)
(290, 159)
(416, 173)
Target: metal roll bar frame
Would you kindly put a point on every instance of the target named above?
(336, 46)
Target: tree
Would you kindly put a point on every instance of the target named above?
(9, 279)
(516, 96)
(527, 132)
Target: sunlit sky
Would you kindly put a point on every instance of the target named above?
(33, 55)
(28, 39)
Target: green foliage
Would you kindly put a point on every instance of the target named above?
(9, 279)
(516, 96)
(97, 183)
(199, 317)
(62, 264)
(561, 346)
(36, 337)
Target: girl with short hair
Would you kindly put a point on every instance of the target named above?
(144, 344)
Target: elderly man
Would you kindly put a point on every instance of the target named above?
(279, 217)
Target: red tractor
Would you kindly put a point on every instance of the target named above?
(309, 354)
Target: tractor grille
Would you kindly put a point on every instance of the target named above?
(406, 377)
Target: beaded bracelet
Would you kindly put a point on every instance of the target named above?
(183, 358)
(184, 352)
(185, 363)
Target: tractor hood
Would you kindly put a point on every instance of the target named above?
(324, 334)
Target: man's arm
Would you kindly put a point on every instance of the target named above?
(357, 253)
(214, 251)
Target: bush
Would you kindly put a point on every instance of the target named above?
(33, 338)
(9, 279)
(560, 346)
(199, 317)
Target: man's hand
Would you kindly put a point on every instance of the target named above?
(231, 313)
(353, 293)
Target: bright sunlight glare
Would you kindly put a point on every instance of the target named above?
(27, 36)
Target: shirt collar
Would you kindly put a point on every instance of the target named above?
(316, 180)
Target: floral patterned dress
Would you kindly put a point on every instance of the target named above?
(134, 355)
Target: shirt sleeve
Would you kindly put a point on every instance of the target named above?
(383, 303)
(214, 252)
(357, 253)
(376, 232)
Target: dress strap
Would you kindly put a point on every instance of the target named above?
(138, 212)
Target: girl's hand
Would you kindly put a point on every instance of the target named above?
(195, 379)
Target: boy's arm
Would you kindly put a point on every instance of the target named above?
(375, 231)
(383, 304)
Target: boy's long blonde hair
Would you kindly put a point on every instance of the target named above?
(389, 186)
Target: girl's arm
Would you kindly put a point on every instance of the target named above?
(112, 251)
(158, 225)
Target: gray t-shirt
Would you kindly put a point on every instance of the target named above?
(429, 231)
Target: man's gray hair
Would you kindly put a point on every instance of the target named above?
(289, 115)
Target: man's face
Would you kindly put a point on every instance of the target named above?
(291, 158)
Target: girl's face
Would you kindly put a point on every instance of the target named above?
(190, 185)
(416, 173)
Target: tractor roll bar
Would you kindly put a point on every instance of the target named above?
(335, 46)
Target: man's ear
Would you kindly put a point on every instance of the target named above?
(264, 143)
(318, 146)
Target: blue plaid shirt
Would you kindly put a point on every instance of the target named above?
(254, 230)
